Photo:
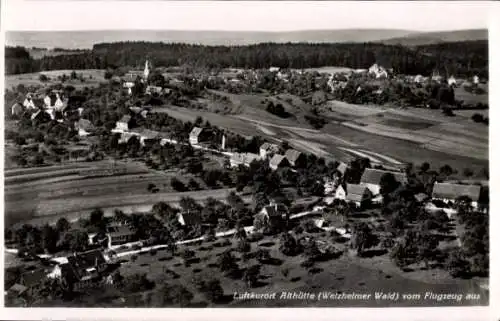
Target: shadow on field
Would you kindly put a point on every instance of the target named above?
(373, 253)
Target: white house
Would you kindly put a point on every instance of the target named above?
(340, 193)
(84, 127)
(195, 135)
(448, 192)
(274, 69)
(475, 80)
(378, 71)
(28, 102)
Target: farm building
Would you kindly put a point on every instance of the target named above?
(278, 161)
(197, 135)
(243, 159)
(124, 124)
(84, 127)
(448, 192)
(189, 218)
(357, 194)
(125, 136)
(274, 69)
(274, 213)
(82, 269)
(54, 101)
(371, 179)
(475, 80)
(17, 110)
(295, 158)
(378, 71)
(119, 234)
(268, 149)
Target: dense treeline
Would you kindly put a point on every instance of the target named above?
(449, 57)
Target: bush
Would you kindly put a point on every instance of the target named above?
(134, 258)
(152, 252)
(255, 237)
(177, 185)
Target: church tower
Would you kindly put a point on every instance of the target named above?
(146, 71)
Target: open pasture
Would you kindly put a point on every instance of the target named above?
(92, 78)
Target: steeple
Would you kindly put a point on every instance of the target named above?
(146, 71)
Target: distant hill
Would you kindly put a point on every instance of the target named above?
(429, 38)
(86, 39)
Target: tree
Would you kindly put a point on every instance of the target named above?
(244, 246)
(50, 237)
(363, 238)
(213, 290)
(177, 185)
(388, 184)
(227, 263)
(289, 245)
(457, 264)
(176, 294)
(62, 225)
(262, 255)
(251, 275)
(97, 219)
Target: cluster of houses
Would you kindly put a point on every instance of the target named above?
(367, 191)
(53, 103)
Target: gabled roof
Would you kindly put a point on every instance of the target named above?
(356, 189)
(18, 289)
(420, 197)
(196, 131)
(292, 155)
(342, 168)
(244, 158)
(373, 176)
(453, 191)
(275, 210)
(277, 160)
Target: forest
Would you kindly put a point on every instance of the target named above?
(448, 58)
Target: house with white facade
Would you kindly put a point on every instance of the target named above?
(449, 192)
(268, 149)
(378, 71)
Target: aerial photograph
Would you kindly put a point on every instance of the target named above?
(171, 158)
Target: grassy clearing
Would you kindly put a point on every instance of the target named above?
(93, 77)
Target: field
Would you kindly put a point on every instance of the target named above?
(40, 195)
(93, 77)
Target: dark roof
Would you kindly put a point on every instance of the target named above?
(32, 278)
(373, 176)
(115, 231)
(275, 210)
(191, 218)
(453, 191)
(80, 262)
(292, 155)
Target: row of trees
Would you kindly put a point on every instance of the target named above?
(419, 60)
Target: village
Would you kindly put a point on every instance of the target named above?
(321, 207)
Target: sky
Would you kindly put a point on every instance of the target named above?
(34, 15)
